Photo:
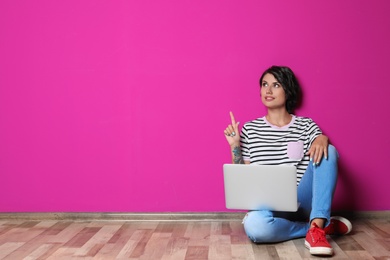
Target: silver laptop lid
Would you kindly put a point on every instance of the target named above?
(255, 187)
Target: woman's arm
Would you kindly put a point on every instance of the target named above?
(232, 135)
(237, 156)
(319, 148)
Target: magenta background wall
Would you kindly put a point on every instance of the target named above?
(120, 106)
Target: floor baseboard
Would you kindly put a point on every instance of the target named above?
(112, 216)
(164, 216)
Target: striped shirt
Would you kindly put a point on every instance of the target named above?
(264, 143)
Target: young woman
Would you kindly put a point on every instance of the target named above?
(281, 138)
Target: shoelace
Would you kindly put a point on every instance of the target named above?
(318, 234)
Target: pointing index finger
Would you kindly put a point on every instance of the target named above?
(232, 118)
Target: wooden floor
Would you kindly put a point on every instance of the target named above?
(224, 239)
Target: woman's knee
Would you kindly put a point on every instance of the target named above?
(258, 226)
(332, 152)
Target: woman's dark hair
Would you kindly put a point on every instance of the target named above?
(285, 76)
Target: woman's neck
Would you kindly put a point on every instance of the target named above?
(278, 118)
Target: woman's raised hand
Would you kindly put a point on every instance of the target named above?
(232, 133)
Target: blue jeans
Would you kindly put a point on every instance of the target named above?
(315, 194)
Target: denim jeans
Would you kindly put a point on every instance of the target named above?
(315, 194)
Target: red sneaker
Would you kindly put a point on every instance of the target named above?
(338, 226)
(316, 242)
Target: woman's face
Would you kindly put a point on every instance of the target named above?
(272, 93)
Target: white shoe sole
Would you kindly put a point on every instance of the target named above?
(345, 221)
(319, 250)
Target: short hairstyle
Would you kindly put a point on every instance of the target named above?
(285, 76)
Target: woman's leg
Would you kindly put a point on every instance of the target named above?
(315, 194)
(262, 227)
(316, 189)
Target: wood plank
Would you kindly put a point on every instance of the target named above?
(226, 228)
(54, 247)
(120, 244)
(238, 235)
(39, 252)
(303, 251)
(108, 251)
(69, 233)
(369, 229)
(142, 241)
(359, 255)
(383, 224)
(165, 227)
(220, 247)
(264, 251)
(197, 253)
(125, 251)
(200, 235)
(370, 245)
(57, 228)
(215, 228)
(28, 224)
(348, 243)
(5, 228)
(156, 245)
(179, 230)
(29, 247)
(380, 231)
(176, 248)
(95, 249)
(82, 237)
(46, 224)
(287, 250)
(38, 240)
(338, 252)
(102, 236)
(242, 252)
(20, 234)
(9, 247)
(63, 253)
(385, 243)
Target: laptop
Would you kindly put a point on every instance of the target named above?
(257, 187)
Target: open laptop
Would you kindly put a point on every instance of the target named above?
(256, 187)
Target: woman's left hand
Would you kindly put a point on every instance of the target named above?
(319, 148)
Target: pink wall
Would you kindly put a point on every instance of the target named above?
(120, 105)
